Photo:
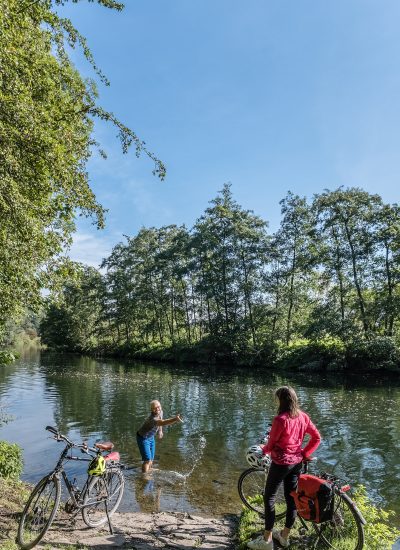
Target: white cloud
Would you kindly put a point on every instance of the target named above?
(91, 249)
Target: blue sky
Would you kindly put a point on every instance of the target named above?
(270, 95)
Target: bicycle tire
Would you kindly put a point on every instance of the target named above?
(101, 489)
(345, 531)
(251, 486)
(44, 502)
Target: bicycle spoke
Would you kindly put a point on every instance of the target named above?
(39, 512)
(344, 531)
(104, 491)
(251, 490)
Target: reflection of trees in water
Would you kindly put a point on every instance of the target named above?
(231, 410)
(26, 368)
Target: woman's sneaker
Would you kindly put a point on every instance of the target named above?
(260, 544)
(282, 541)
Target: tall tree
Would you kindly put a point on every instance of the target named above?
(229, 244)
(293, 261)
(346, 218)
(47, 111)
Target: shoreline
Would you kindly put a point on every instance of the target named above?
(143, 531)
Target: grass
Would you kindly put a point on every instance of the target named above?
(13, 495)
(379, 532)
(251, 525)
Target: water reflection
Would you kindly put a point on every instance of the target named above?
(147, 493)
(89, 399)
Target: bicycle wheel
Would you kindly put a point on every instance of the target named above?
(102, 490)
(251, 490)
(39, 512)
(345, 530)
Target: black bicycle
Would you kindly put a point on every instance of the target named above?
(97, 500)
(343, 531)
(252, 481)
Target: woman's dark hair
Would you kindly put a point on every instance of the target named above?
(288, 401)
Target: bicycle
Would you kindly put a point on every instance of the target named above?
(252, 481)
(97, 501)
(345, 529)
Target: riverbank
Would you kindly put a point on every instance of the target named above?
(379, 531)
(146, 531)
(131, 530)
(13, 495)
(323, 355)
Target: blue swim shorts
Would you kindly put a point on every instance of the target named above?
(147, 447)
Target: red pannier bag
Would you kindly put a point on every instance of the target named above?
(314, 498)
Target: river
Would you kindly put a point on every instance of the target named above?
(225, 411)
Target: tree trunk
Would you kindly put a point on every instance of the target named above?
(356, 281)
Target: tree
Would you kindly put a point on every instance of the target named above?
(72, 321)
(229, 245)
(47, 112)
(290, 279)
(346, 219)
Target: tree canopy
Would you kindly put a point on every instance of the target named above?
(326, 280)
(47, 113)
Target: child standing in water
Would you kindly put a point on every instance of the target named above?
(145, 436)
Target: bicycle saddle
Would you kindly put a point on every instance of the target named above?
(105, 446)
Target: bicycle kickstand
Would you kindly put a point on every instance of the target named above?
(109, 520)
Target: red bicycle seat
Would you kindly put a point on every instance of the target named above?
(113, 456)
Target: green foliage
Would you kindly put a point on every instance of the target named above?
(327, 352)
(316, 295)
(6, 357)
(380, 352)
(71, 322)
(380, 533)
(250, 522)
(10, 460)
(13, 496)
(47, 113)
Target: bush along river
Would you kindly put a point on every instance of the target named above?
(199, 461)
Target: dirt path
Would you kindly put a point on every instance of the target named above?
(148, 531)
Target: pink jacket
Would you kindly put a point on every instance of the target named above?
(286, 438)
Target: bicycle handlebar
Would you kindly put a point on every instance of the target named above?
(59, 437)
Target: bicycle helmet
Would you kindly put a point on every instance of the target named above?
(97, 466)
(255, 457)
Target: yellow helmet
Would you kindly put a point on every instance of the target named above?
(97, 466)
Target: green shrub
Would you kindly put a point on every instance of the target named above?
(6, 357)
(10, 460)
(327, 352)
(380, 352)
(380, 534)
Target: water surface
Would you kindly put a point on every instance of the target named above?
(225, 411)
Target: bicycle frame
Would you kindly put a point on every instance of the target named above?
(77, 496)
(100, 490)
(58, 471)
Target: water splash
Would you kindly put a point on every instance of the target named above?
(171, 476)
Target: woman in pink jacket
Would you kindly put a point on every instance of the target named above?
(285, 446)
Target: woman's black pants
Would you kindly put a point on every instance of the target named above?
(289, 475)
